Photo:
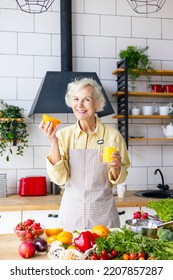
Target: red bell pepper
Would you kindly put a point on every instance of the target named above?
(84, 241)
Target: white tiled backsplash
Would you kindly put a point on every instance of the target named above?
(30, 46)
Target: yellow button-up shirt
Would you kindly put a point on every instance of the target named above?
(72, 137)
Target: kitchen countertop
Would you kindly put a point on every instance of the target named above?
(52, 202)
(9, 245)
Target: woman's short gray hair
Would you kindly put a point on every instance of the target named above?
(79, 84)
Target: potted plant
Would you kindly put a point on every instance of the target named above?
(138, 62)
(13, 130)
(171, 114)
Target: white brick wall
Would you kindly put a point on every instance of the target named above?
(30, 46)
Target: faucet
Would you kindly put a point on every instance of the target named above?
(161, 186)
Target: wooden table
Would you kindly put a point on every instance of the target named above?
(9, 245)
(52, 202)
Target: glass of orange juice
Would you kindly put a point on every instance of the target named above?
(106, 150)
(107, 153)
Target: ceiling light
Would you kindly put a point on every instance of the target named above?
(34, 6)
(146, 6)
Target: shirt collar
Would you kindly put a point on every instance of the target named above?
(99, 131)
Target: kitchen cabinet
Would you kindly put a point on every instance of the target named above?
(47, 218)
(123, 95)
(127, 215)
(8, 220)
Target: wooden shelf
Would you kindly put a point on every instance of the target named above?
(149, 72)
(142, 117)
(12, 119)
(145, 94)
(123, 95)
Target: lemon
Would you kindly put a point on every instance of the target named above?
(52, 231)
(65, 237)
(51, 238)
(101, 230)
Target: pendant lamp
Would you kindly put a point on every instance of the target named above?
(146, 6)
(34, 6)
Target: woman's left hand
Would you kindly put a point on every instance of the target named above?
(115, 165)
(116, 160)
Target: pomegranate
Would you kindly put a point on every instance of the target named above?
(27, 249)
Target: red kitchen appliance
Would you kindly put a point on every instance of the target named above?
(33, 186)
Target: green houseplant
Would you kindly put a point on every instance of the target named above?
(13, 130)
(171, 116)
(138, 62)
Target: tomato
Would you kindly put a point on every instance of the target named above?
(95, 257)
(104, 255)
(125, 257)
(141, 255)
(114, 253)
(133, 256)
(141, 258)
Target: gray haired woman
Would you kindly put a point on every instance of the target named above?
(74, 161)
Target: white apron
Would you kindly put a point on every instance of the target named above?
(87, 199)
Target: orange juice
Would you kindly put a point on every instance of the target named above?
(107, 153)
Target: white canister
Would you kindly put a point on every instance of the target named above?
(135, 111)
(121, 189)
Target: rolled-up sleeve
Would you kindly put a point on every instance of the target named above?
(58, 173)
(122, 176)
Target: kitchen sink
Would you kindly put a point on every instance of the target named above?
(155, 193)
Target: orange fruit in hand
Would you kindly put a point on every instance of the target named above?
(47, 118)
(52, 231)
(101, 230)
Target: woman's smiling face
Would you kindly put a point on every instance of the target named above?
(84, 103)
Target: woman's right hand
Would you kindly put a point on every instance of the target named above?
(49, 131)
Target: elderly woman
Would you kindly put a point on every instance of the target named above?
(74, 161)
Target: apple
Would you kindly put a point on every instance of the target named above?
(27, 249)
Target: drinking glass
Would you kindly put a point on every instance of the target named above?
(106, 150)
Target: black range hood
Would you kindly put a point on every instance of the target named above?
(50, 97)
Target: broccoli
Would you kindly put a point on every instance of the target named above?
(165, 234)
